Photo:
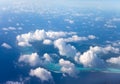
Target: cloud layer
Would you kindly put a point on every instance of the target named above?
(68, 68)
(5, 45)
(62, 42)
(40, 35)
(114, 60)
(92, 57)
(31, 59)
(65, 49)
(41, 73)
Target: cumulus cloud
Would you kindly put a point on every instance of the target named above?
(91, 37)
(111, 49)
(48, 37)
(24, 43)
(116, 43)
(64, 48)
(24, 39)
(91, 58)
(40, 35)
(77, 56)
(41, 73)
(76, 38)
(5, 45)
(67, 49)
(47, 57)
(68, 68)
(56, 35)
(31, 59)
(47, 42)
(114, 60)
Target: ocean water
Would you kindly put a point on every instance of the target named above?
(84, 25)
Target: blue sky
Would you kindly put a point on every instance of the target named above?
(103, 4)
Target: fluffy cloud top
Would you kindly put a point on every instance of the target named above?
(31, 59)
(47, 57)
(109, 48)
(39, 35)
(91, 37)
(91, 57)
(76, 38)
(5, 45)
(114, 60)
(64, 48)
(67, 67)
(47, 42)
(48, 36)
(24, 39)
(41, 73)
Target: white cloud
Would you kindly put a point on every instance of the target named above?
(47, 57)
(109, 48)
(91, 37)
(76, 38)
(5, 29)
(47, 42)
(77, 56)
(56, 35)
(24, 43)
(9, 29)
(116, 43)
(40, 35)
(69, 21)
(14, 82)
(24, 39)
(64, 48)
(110, 26)
(48, 36)
(5, 45)
(91, 58)
(114, 60)
(68, 68)
(31, 59)
(41, 73)
(67, 49)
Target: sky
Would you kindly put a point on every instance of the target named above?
(66, 3)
